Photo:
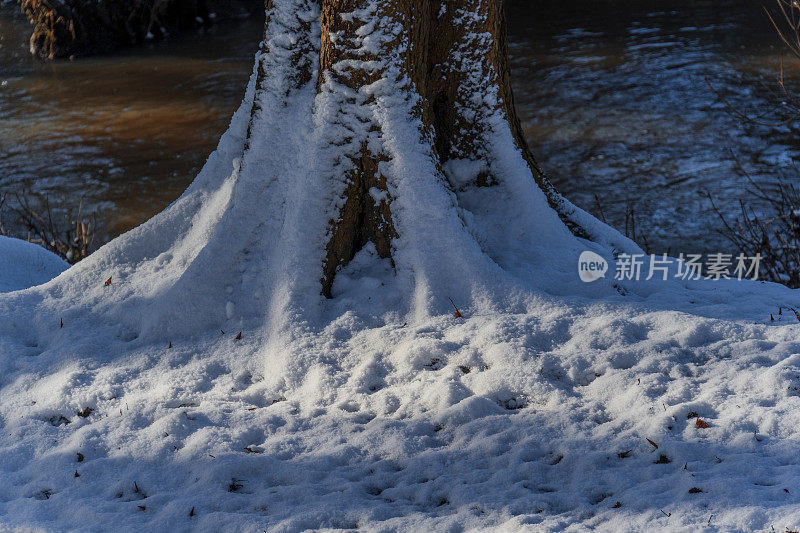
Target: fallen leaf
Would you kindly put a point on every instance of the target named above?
(170, 345)
(239, 336)
(457, 314)
(191, 513)
(142, 507)
(617, 505)
(623, 455)
(252, 450)
(653, 443)
(108, 281)
(252, 408)
(77, 474)
(86, 412)
(695, 490)
(80, 457)
(701, 423)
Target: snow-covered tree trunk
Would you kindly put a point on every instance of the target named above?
(446, 59)
(376, 158)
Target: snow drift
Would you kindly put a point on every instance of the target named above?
(24, 265)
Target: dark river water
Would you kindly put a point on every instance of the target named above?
(612, 95)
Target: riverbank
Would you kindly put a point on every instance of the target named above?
(66, 28)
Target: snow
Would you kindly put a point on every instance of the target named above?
(24, 265)
(379, 409)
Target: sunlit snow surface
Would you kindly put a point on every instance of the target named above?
(378, 409)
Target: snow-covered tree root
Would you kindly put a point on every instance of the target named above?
(349, 201)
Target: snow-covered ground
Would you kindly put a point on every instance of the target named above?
(130, 401)
(536, 413)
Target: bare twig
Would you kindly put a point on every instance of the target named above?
(772, 232)
(72, 240)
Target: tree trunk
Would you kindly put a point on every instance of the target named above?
(450, 58)
(376, 165)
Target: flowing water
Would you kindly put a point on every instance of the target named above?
(612, 95)
(126, 132)
(616, 104)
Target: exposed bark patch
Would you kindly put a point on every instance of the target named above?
(366, 217)
(366, 214)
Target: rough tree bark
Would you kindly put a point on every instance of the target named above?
(454, 54)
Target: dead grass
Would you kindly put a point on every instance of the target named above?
(31, 217)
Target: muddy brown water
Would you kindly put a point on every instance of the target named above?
(612, 95)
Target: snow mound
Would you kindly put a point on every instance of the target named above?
(210, 386)
(24, 265)
(533, 417)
